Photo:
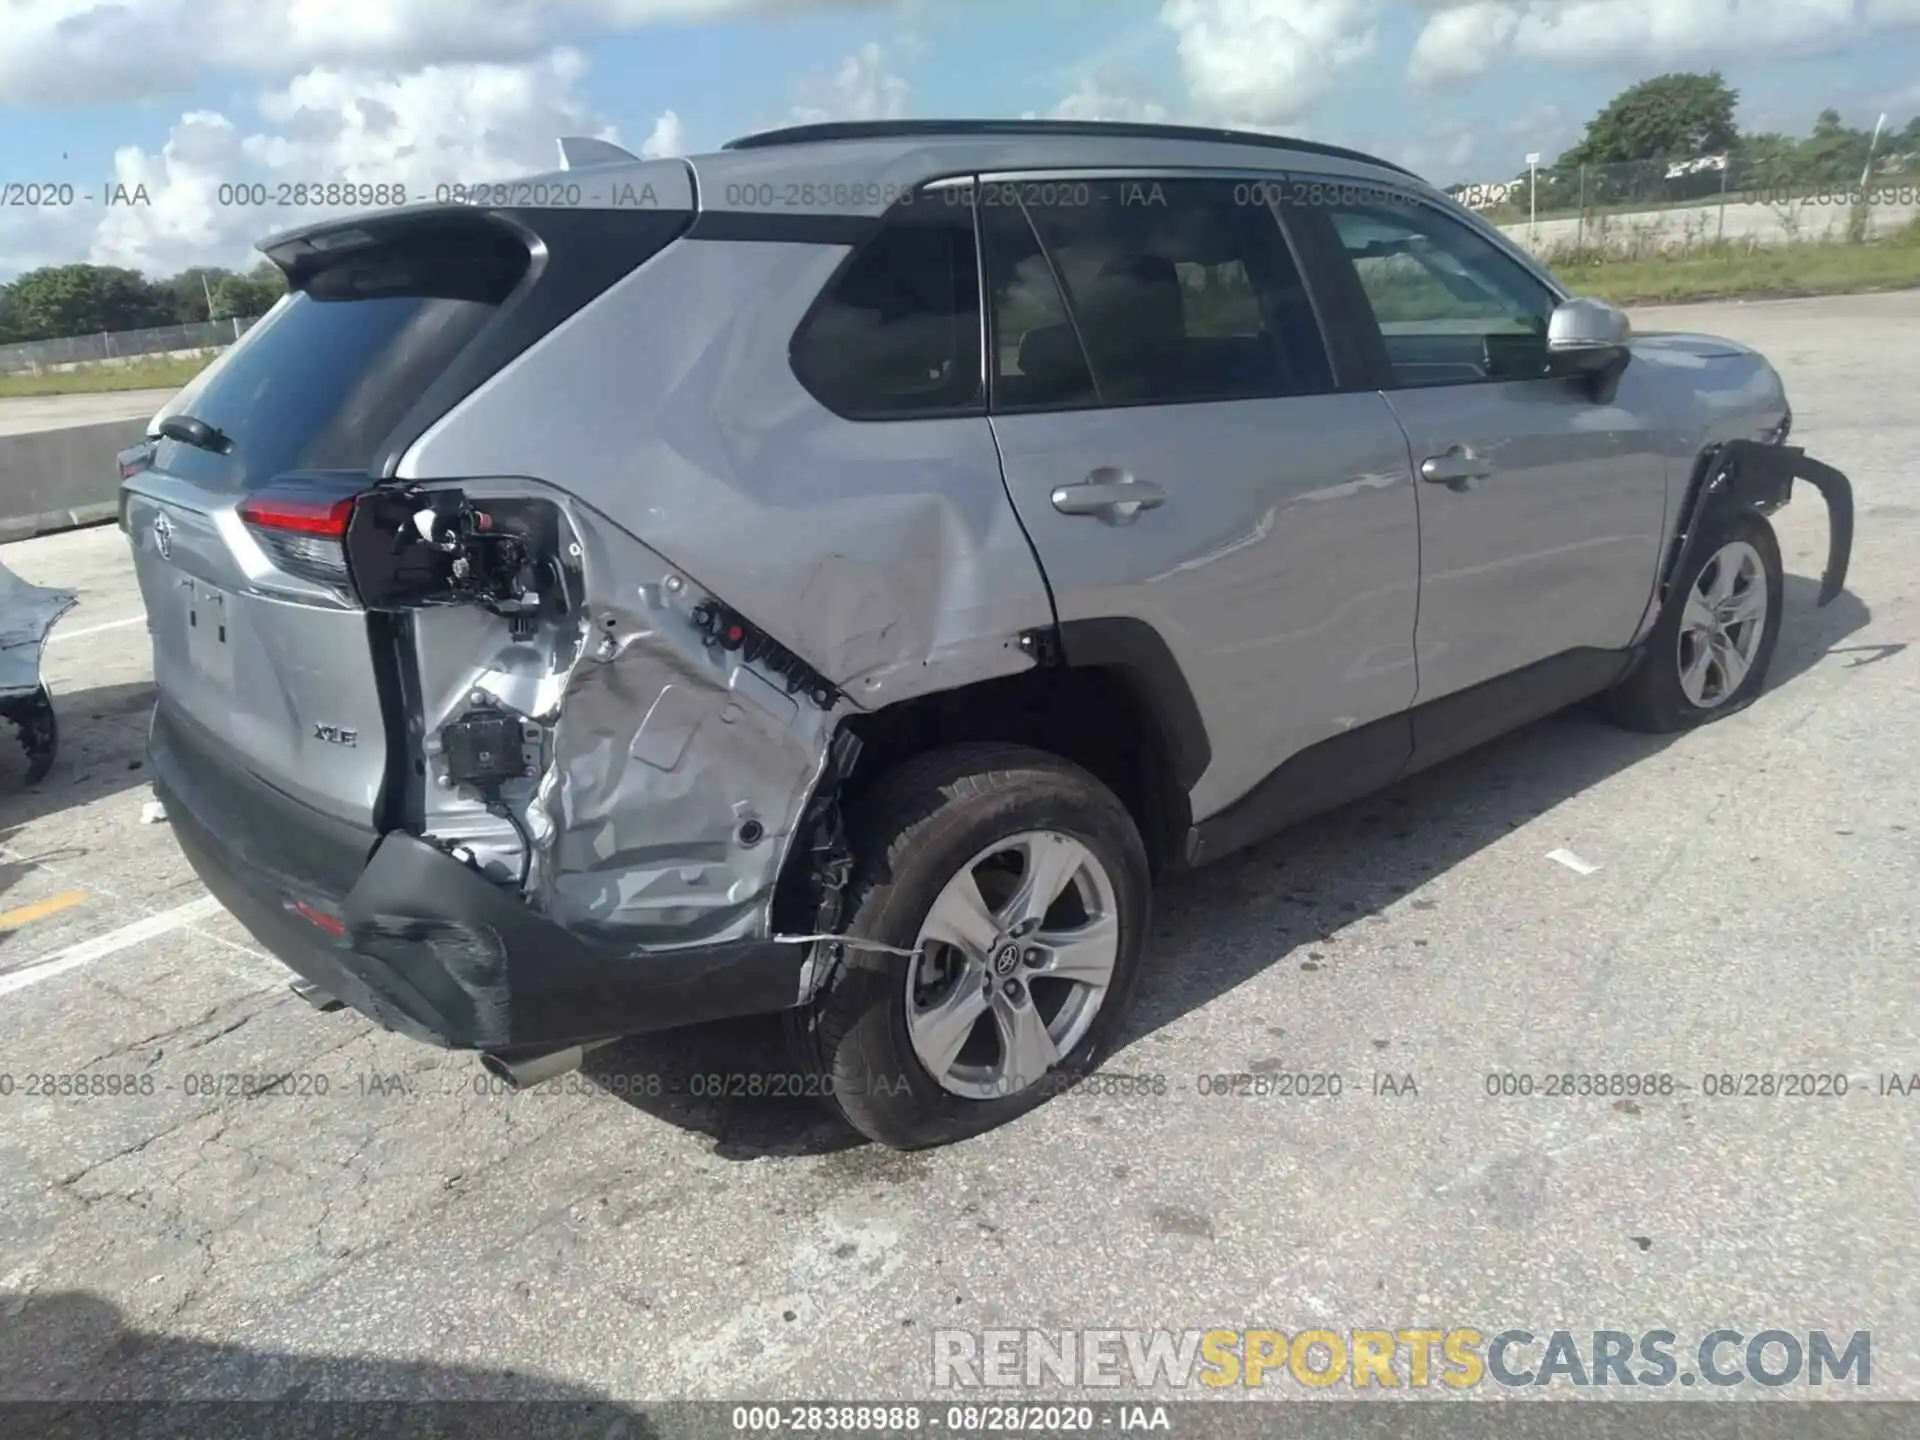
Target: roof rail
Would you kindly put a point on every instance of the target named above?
(577, 151)
(1089, 129)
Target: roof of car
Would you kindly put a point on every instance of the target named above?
(1045, 129)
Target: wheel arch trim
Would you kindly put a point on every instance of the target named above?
(1141, 659)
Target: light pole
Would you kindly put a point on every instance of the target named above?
(1533, 198)
(1866, 175)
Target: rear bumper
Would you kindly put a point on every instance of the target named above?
(430, 948)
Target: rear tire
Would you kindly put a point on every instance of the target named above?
(1708, 654)
(976, 829)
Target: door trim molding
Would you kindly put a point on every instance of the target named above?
(1359, 761)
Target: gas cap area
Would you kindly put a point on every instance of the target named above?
(604, 742)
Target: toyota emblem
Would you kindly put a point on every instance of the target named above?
(163, 536)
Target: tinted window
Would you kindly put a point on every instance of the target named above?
(373, 321)
(897, 333)
(1178, 293)
(1038, 358)
(1452, 308)
(320, 384)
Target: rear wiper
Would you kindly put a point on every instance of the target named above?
(189, 431)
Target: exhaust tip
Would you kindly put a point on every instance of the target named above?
(526, 1072)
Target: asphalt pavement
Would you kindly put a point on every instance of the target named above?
(382, 1223)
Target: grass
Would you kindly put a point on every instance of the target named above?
(156, 374)
(1726, 270)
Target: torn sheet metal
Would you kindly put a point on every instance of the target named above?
(27, 614)
(1750, 474)
(664, 774)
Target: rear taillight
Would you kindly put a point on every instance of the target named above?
(132, 461)
(302, 537)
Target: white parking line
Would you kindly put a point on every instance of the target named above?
(59, 634)
(86, 951)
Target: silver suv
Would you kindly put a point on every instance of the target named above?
(834, 575)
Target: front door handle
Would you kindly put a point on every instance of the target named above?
(1457, 469)
(1110, 495)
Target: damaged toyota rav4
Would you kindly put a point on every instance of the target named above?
(836, 575)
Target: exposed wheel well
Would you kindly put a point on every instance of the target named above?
(1091, 715)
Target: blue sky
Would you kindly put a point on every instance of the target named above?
(184, 95)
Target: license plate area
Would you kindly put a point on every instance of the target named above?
(209, 645)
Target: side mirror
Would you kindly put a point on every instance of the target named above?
(1589, 337)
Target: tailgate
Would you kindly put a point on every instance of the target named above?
(284, 679)
(238, 512)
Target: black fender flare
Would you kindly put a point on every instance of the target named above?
(1137, 653)
(1737, 475)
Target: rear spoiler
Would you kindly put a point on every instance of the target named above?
(579, 151)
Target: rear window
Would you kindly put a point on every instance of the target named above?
(897, 332)
(320, 384)
(384, 330)
(374, 318)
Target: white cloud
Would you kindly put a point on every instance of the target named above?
(1108, 98)
(864, 87)
(445, 124)
(73, 51)
(1441, 157)
(1464, 41)
(668, 138)
(1264, 63)
(1460, 43)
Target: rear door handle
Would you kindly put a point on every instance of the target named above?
(1457, 469)
(1110, 495)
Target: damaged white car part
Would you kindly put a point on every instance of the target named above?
(27, 614)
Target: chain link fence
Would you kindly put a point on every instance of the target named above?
(1656, 206)
(33, 356)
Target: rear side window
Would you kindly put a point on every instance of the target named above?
(1178, 292)
(896, 334)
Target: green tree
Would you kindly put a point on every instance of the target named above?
(269, 284)
(62, 300)
(250, 294)
(187, 292)
(1679, 116)
(1836, 153)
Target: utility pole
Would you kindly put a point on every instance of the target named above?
(1866, 175)
(204, 290)
(1533, 198)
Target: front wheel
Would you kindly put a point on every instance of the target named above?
(1017, 884)
(1708, 654)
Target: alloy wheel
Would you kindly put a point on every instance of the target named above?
(1014, 959)
(1721, 626)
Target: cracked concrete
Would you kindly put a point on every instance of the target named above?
(279, 1201)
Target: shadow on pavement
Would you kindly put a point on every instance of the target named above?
(103, 743)
(72, 1366)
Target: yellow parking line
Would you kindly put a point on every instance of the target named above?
(40, 909)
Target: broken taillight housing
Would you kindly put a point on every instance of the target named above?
(304, 537)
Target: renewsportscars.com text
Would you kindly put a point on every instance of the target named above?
(1457, 1358)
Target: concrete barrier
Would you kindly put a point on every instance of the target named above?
(59, 479)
